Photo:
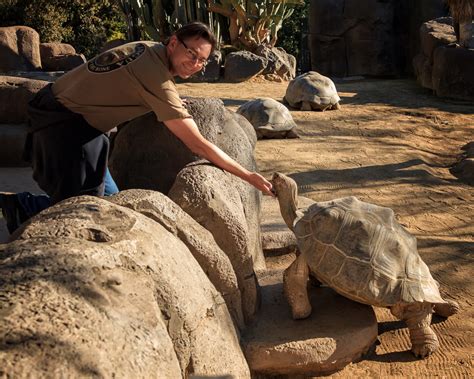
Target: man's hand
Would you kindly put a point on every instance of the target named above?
(262, 184)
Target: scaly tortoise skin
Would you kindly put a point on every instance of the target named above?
(269, 118)
(312, 91)
(363, 253)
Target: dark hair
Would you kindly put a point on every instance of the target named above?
(197, 29)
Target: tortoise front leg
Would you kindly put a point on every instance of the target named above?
(418, 319)
(295, 280)
(446, 309)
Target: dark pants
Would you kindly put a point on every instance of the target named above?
(68, 156)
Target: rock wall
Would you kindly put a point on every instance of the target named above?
(367, 37)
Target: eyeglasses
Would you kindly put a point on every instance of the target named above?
(191, 54)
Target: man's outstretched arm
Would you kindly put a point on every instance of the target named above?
(187, 131)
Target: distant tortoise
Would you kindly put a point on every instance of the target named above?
(312, 91)
(363, 253)
(269, 118)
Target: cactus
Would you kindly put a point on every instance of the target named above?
(249, 23)
(256, 22)
(154, 19)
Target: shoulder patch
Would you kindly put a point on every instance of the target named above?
(115, 58)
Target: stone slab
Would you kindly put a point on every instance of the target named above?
(338, 332)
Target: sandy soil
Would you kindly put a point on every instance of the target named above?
(391, 144)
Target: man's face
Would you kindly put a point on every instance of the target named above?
(188, 56)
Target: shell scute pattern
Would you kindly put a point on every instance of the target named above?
(270, 118)
(361, 251)
(313, 88)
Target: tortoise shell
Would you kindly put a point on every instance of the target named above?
(363, 253)
(270, 118)
(312, 91)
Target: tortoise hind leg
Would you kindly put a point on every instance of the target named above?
(446, 309)
(295, 280)
(418, 319)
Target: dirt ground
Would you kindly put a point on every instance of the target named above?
(391, 144)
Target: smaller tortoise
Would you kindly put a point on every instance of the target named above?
(363, 253)
(312, 91)
(269, 118)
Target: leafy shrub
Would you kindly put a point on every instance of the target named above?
(291, 33)
(85, 24)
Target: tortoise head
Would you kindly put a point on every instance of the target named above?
(286, 191)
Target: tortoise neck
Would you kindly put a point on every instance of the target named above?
(288, 206)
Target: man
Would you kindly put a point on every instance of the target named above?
(67, 143)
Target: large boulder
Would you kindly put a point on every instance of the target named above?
(60, 57)
(433, 34)
(280, 63)
(19, 49)
(147, 155)
(198, 240)
(436, 33)
(90, 288)
(453, 73)
(15, 93)
(53, 49)
(222, 205)
(243, 65)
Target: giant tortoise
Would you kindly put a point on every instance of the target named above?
(363, 253)
(269, 118)
(312, 91)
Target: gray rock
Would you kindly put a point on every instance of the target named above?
(92, 288)
(146, 155)
(464, 170)
(453, 75)
(15, 92)
(436, 33)
(19, 49)
(323, 343)
(279, 62)
(200, 242)
(64, 62)
(230, 210)
(243, 65)
(53, 49)
(423, 70)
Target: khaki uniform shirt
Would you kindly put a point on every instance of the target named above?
(121, 84)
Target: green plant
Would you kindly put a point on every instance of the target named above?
(157, 19)
(256, 22)
(292, 30)
(85, 24)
